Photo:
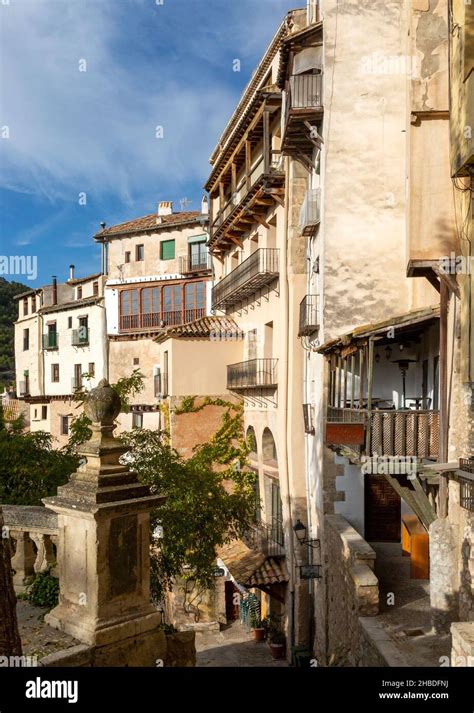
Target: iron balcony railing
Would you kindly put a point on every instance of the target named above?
(310, 214)
(194, 263)
(467, 464)
(252, 374)
(305, 91)
(50, 340)
(394, 432)
(258, 270)
(268, 539)
(159, 320)
(309, 322)
(80, 337)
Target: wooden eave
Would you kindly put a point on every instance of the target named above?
(294, 43)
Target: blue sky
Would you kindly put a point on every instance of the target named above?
(73, 132)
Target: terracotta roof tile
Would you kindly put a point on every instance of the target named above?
(203, 327)
(252, 568)
(148, 222)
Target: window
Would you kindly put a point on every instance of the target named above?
(137, 420)
(95, 289)
(139, 253)
(198, 254)
(69, 322)
(64, 425)
(91, 370)
(36, 413)
(167, 249)
(129, 304)
(79, 293)
(172, 298)
(26, 340)
(276, 514)
(136, 361)
(44, 412)
(127, 256)
(195, 295)
(150, 300)
(77, 380)
(25, 306)
(55, 372)
(436, 383)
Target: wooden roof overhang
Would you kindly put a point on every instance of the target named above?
(295, 43)
(266, 192)
(251, 129)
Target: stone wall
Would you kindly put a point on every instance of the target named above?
(352, 590)
(188, 608)
(462, 653)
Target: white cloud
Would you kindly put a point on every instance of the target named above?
(94, 131)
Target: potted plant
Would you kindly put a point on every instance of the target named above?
(258, 629)
(277, 643)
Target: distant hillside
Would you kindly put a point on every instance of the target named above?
(8, 314)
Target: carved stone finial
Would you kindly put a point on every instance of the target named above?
(102, 404)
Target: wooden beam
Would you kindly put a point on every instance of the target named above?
(266, 141)
(248, 163)
(261, 220)
(235, 240)
(233, 182)
(221, 196)
(450, 281)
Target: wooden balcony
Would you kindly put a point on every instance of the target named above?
(257, 271)
(304, 110)
(382, 432)
(309, 321)
(158, 320)
(252, 374)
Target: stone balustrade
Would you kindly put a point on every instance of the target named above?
(33, 533)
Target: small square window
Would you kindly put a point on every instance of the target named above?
(55, 373)
(79, 292)
(127, 256)
(95, 289)
(136, 361)
(139, 253)
(91, 369)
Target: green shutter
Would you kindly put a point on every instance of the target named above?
(167, 250)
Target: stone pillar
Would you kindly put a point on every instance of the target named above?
(23, 560)
(443, 575)
(104, 549)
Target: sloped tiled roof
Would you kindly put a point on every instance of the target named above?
(149, 222)
(252, 568)
(203, 327)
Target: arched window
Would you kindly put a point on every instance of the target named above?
(252, 442)
(269, 450)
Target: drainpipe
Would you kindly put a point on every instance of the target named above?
(283, 390)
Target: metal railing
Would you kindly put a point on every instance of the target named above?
(345, 415)
(466, 493)
(309, 322)
(261, 268)
(305, 91)
(80, 337)
(268, 539)
(160, 320)
(310, 214)
(50, 340)
(467, 464)
(254, 373)
(190, 263)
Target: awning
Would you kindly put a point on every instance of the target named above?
(252, 568)
(399, 322)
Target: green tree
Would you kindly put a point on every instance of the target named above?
(210, 499)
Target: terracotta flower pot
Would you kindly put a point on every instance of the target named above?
(277, 650)
(259, 634)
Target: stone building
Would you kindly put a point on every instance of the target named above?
(368, 123)
(260, 278)
(60, 346)
(158, 276)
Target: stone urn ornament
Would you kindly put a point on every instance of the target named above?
(102, 404)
